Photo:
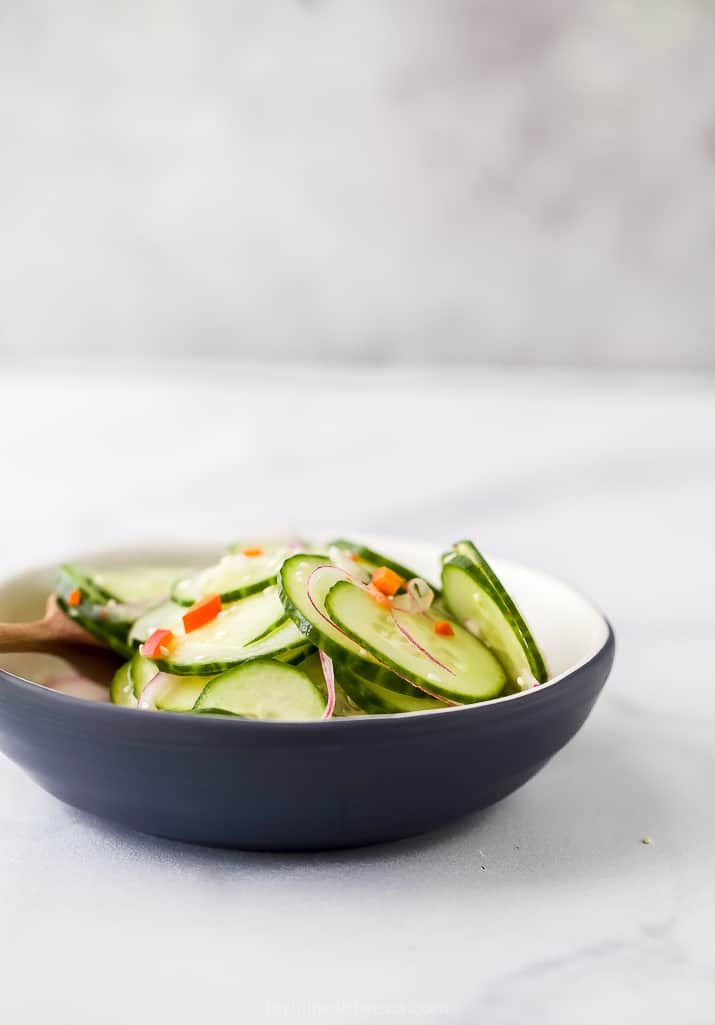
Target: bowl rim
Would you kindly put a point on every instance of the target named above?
(535, 693)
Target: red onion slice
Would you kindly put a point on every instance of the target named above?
(418, 599)
(341, 558)
(153, 690)
(405, 633)
(326, 664)
(312, 601)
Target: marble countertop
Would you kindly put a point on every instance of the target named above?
(547, 908)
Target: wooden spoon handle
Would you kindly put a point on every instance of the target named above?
(17, 637)
(55, 633)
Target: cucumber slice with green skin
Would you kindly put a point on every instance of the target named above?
(475, 595)
(263, 690)
(165, 616)
(376, 673)
(71, 577)
(121, 690)
(234, 576)
(377, 700)
(281, 621)
(92, 613)
(136, 585)
(315, 622)
(182, 695)
(262, 614)
(163, 691)
(228, 641)
(142, 671)
(468, 672)
(372, 560)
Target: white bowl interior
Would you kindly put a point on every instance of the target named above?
(567, 627)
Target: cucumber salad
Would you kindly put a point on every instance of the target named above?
(286, 630)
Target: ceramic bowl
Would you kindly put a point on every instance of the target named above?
(298, 786)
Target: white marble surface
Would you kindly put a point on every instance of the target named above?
(546, 909)
(525, 182)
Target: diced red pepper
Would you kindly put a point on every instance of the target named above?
(202, 612)
(387, 581)
(74, 597)
(252, 551)
(354, 556)
(158, 644)
(443, 628)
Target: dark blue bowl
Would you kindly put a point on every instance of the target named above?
(308, 786)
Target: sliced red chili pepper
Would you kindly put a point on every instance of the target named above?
(202, 612)
(153, 645)
(443, 628)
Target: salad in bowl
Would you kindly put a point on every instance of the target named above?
(287, 630)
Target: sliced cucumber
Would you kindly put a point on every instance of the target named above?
(165, 616)
(234, 576)
(371, 560)
(182, 693)
(137, 584)
(93, 613)
(229, 640)
(469, 671)
(175, 693)
(71, 577)
(475, 595)
(261, 614)
(315, 622)
(121, 690)
(142, 671)
(377, 700)
(263, 690)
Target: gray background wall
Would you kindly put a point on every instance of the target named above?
(492, 181)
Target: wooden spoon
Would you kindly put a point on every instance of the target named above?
(57, 634)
